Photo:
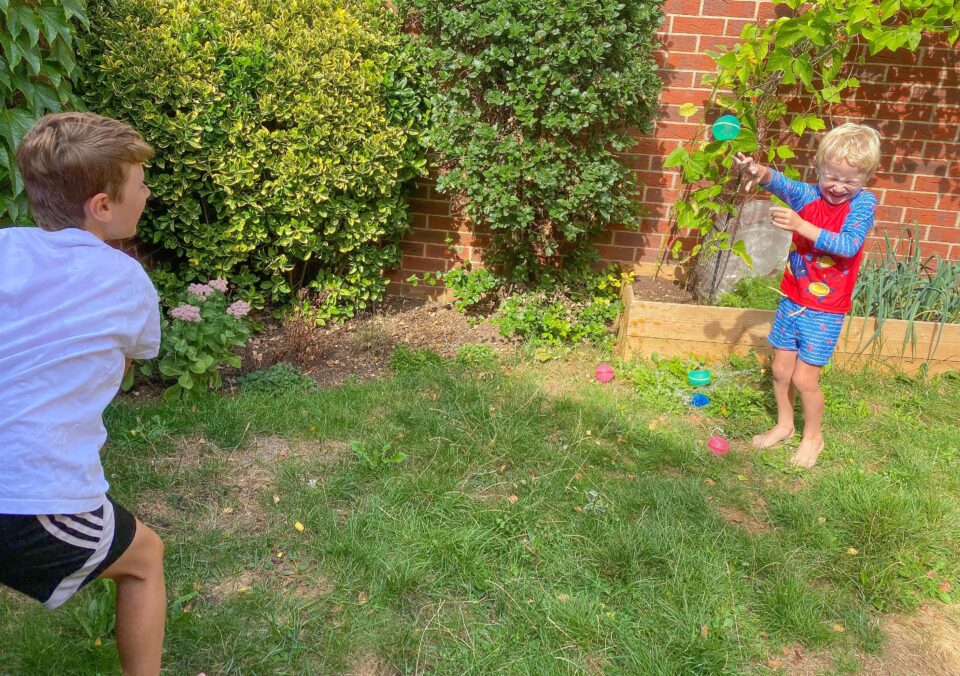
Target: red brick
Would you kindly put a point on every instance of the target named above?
(945, 219)
(921, 200)
(688, 61)
(935, 249)
(949, 201)
(688, 7)
(632, 239)
(418, 220)
(869, 74)
(678, 43)
(913, 73)
(441, 251)
(676, 130)
(698, 25)
(730, 8)
(735, 27)
(939, 57)
(892, 214)
(932, 132)
(718, 43)
(930, 184)
(673, 79)
(940, 151)
(923, 166)
(884, 181)
(653, 195)
(424, 206)
(429, 236)
(698, 97)
(912, 112)
(950, 235)
(901, 58)
(437, 222)
(615, 253)
(422, 264)
(412, 248)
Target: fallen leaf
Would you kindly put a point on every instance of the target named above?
(839, 628)
(228, 510)
(578, 476)
(704, 631)
(279, 555)
(563, 597)
(763, 634)
(298, 526)
(243, 590)
(944, 586)
(821, 520)
(513, 499)
(852, 551)
(710, 482)
(774, 664)
(276, 499)
(362, 598)
(932, 574)
(98, 642)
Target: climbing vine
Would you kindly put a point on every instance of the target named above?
(807, 58)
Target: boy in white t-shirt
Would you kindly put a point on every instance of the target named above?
(73, 312)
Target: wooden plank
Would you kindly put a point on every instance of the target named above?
(672, 329)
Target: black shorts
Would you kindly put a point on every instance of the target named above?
(51, 556)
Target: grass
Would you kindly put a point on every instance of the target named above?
(474, 517)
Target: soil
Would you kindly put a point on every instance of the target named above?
(361, 347)
(662, 291)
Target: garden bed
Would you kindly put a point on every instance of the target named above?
(673, 329)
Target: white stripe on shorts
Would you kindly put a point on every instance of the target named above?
(69, 585)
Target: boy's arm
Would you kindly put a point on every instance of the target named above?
(856, 225)
(795, 193)
(847, 241)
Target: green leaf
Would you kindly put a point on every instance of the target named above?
(688, 110)
(676, 158)
(76, 8)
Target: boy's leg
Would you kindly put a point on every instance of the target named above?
(141, 603)
(784, 362)
(806, 380)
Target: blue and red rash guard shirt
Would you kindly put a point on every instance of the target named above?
(820, 275)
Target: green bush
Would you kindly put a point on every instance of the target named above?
(576, 310)
(530, 104)
(278, 380)
(37, 66)
(285, 133)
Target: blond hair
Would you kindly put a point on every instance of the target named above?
(856, 144)
(67, 158)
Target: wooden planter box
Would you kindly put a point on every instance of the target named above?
(671, 330)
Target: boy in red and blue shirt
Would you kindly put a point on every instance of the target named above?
(829, 221)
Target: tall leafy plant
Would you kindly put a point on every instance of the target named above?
(286, 134)
(531, 102)
(806, 59)
(37, 67)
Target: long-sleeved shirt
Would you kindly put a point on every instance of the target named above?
(821, 275)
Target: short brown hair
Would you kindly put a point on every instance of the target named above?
(67, 158)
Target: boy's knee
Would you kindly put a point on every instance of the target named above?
(805, 382)
(781, 372)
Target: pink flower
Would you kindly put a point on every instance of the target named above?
(201, 291)
(188, 313)
(239, 309)
(219, 284)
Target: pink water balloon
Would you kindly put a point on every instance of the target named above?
(604, 373)
(718, 445)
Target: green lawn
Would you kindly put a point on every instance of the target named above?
(521, 518)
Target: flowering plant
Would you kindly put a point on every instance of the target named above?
(198, 338)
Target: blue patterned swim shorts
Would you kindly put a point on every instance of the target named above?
(811, 334)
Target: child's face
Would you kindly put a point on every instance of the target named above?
(127, 211)
(839, 182)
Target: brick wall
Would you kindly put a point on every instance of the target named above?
(912, 98)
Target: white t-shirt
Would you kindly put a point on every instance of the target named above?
(71, 309)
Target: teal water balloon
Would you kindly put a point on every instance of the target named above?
(726, 128)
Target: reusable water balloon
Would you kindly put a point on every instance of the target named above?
(604, 373)
(699, 400)
(718, 445)
(726, 128)
(699, 378)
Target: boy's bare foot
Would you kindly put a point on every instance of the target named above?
(807, 452)
(772, 437)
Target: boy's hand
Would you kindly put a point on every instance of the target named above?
(756, 173)
(786, 219)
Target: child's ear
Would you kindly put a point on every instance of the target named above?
(98, 207)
